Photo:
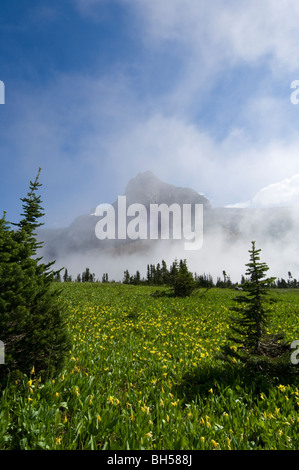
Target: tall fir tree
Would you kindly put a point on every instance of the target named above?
(32, 317)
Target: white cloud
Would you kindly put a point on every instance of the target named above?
(218, 32)
(283, 193)
(235, 30)
(178, 151)
(210, 38)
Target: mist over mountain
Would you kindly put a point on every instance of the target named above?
(227, 233)
(145, 189)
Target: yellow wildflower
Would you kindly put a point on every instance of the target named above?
(215, 444)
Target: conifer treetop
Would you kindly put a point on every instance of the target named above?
(31, 207)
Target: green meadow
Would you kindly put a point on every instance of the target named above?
(143, 373)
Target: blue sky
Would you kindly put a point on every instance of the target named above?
(198, 92)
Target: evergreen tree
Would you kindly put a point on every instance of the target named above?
(165, 273)
(136, 279)
(32, 319)
(148, 274)
(248, 328)
(87, 276)
(183, 283)
(32, 212)
(204, 280)
(152, 274)
(126, 279)
(65, 276)
(173, 272)
(158, 275)
(282, 283)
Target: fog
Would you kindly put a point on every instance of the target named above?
(226, 241)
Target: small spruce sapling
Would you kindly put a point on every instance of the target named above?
(248, 327)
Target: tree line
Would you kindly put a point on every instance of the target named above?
(161, 275)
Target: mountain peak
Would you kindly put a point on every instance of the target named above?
(146, 189)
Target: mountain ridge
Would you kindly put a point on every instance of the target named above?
(146, 189)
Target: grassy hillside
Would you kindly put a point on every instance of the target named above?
(143, 374)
